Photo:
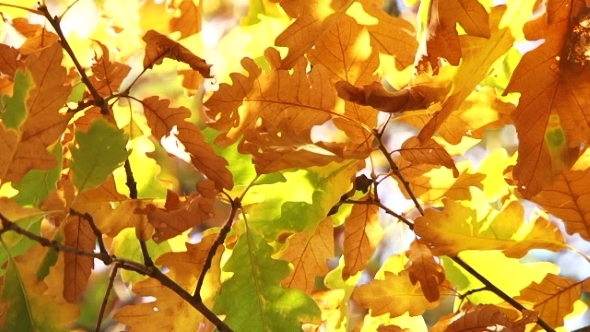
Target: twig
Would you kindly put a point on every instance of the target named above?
(385, 208)
(235, 205)
(498, 291)
(30, 10)
(122, 263)
(397, 172)
(11, 226)
(132, 185)
(54, 21)
(86, 216)
(105, 300)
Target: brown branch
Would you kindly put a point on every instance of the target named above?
(385, 208)
(54, 21)
(490, 286)
(122, 263)
(105, 300)
(395, 170)
(235, 205)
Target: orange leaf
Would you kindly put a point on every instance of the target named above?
(424, 269)
(189, 20)
(162, 118)
(159, 47)
(43, 125)
(107, 75)
(276, 149)
(458, 228)
(9, 62)
(178, 216)
(37, 37)
(568, 197)
(391, 328)
(314, 18)
(552, 114)
(479, 55)
(299, 99)
(376, 96)
(394, 295)
(308, 254)
(553, 298)
(431, 184)
(442, 39)
(170, 312)
(77, 234)
(362, 233)
(392, 35)
(428, 152)
(481, 111)
(477, 317)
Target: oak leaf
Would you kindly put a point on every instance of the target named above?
(178, 216)
(395, 295)
(300, 99)
(431, 184)
(37, 38)
(442, 39)
(313, 19)
(553, 298)
(27, 301)
(553, 111)
(376, 96)
(427, 152)
(189, 20)
(252, 299)
(362, 233)
(478, 317)
(34, 115)
(159, 47)
(455, 228)
(479, 55)
(568, 197)
(480, 111)
(77, 234)
(345, 50)
(170, 312)
(107, 74)
(309, 254)
(423, 268)
(162, 118)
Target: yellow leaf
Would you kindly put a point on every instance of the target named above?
(428, 152)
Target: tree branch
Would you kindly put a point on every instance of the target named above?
(105, 300)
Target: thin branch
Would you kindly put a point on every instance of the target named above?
(122, 263)
(397, 172)
(105, 300)
(30, 10)
(132, 185)
(490, 286)
(8, 225)
(385, 208)
(54, 21)
(235, 206)
(67, 9)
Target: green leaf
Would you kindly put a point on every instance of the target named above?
(28, 309)
(36, 185)
(253, 299)
(97, 154)
(302, 201)
(13, 109)
(240, 165)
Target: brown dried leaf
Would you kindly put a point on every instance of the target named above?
(428, 152)
(77, 234)
(107, 74)
(376, 96)
(162, 119)
(159, 47)
(424, 269)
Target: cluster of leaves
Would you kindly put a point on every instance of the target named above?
(98, 163)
